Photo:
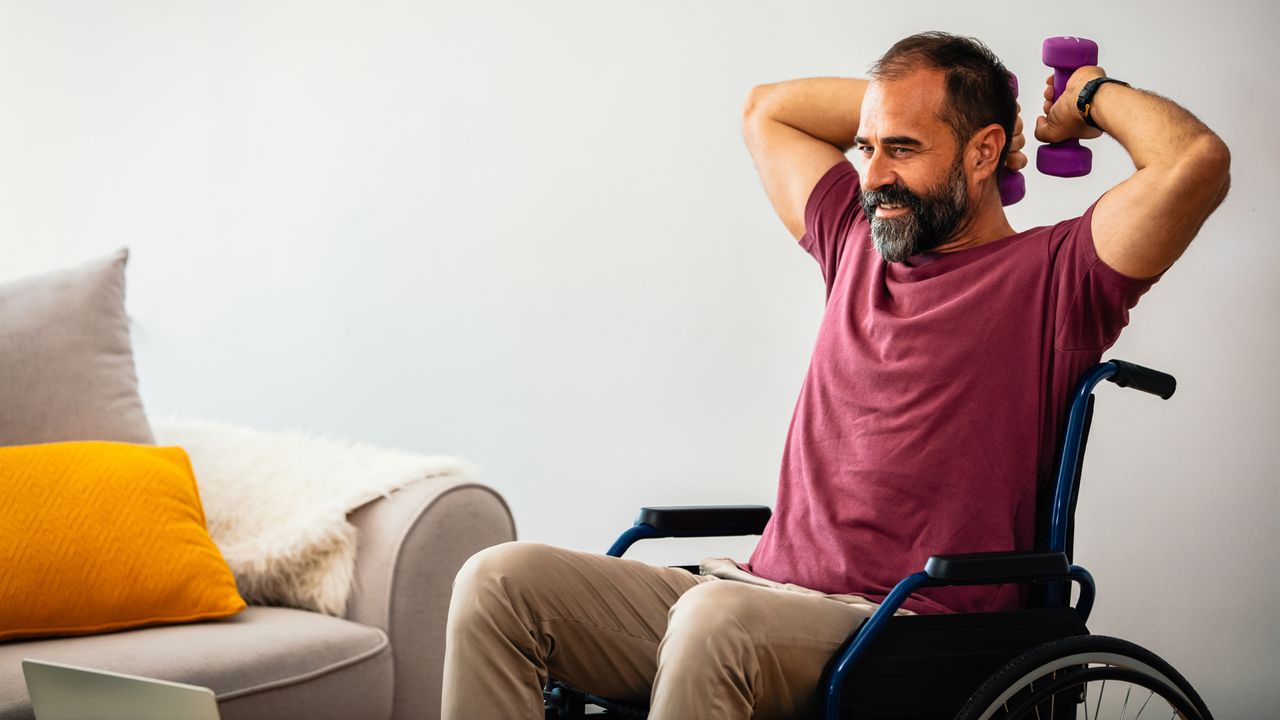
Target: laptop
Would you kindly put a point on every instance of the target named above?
(67, 692)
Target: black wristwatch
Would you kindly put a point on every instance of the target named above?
(1084, 101)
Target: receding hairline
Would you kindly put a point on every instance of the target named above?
(940, 96)
(905, 64)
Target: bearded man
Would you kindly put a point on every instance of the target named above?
(929, 415)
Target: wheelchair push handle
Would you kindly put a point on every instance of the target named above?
(1145, 379)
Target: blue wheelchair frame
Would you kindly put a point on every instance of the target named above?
(1050, 564)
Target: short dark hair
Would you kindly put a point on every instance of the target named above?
(978, 85)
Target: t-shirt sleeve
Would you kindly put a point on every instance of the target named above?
(1093, 299)
(829, 213)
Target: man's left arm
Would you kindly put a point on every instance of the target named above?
(1146, 222)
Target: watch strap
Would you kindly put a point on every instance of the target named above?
(1084, 101)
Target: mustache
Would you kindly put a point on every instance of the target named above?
(895, 194)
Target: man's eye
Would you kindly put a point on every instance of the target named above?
(900, 150)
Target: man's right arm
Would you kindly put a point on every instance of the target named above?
(796, 131)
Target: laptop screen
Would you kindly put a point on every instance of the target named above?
(67, 692)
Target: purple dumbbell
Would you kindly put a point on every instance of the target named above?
(1065, 55)
(1013, 187)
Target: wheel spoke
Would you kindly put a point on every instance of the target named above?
(1097, 708)
(1150, 695)
(1124, 709)
(1053, 701)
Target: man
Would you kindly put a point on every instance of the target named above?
(930, 410)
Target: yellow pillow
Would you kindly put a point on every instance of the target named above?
(98, 536)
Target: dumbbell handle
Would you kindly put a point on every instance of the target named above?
(1060, 77)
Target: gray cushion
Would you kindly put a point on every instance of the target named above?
(66, 360)
(263, 663)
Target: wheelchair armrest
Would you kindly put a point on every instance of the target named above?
(693, 521)
(706, 520)
(997, 567)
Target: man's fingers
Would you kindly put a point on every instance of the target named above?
(1016, 161)
(1042, 130)
(1019, 141)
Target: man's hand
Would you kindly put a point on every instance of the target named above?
(1062, 120)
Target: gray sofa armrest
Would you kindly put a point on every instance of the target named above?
(409, 548)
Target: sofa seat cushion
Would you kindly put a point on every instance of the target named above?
(263, 663)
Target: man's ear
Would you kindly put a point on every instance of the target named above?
(984, 154)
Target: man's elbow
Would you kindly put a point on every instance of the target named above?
(753, 111)
(1217, 160)
(1207, 165)
(755, 100)
(757, 105)
(1215, 155)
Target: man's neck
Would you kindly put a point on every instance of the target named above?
(987, 225)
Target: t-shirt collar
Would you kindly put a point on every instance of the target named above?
(931, 264)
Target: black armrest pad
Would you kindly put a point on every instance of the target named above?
(706, 520)
(997, 567)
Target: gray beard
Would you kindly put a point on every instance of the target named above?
(896, 239)
(926, 225)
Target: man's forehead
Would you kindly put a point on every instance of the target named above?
(906, 105)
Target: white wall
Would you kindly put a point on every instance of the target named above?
(529, 234)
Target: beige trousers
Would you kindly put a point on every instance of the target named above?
(695, 647)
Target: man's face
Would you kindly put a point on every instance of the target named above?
(914, 189)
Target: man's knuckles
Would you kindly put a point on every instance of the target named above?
(1045, 132)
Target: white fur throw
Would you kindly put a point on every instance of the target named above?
(277, 504)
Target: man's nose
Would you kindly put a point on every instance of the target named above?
(876, 172)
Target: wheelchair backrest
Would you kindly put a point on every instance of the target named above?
(1056, 505)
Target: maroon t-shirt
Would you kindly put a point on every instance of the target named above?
(934, 400)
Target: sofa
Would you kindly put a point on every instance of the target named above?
(382, 660)
(380, 657)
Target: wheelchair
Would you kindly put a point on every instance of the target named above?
(1039, 662)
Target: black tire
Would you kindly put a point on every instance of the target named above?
(1061, 668)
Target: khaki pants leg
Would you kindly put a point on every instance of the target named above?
(739, 651)
(522, 610)
(700, 649)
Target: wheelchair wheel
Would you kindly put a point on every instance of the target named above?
(1089, 677)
